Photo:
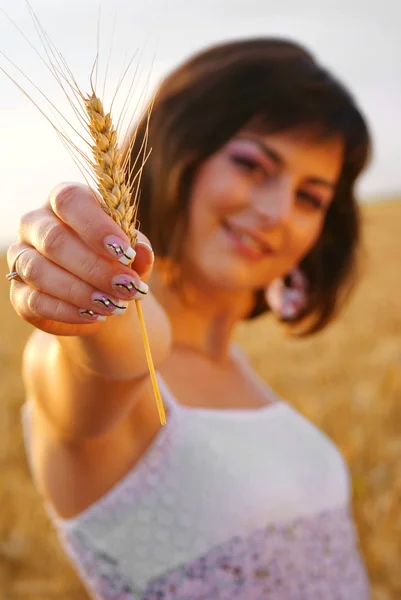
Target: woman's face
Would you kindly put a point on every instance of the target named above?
(257, 208)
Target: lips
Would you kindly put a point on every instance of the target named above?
(249, 239)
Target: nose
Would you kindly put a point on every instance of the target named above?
(273, 204)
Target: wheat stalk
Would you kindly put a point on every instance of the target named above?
(116, 194)
(111, 172)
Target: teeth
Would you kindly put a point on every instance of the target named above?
(246, 239)
(249, 241)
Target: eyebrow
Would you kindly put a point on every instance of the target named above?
(280, 162)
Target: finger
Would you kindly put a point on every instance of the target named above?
(144, 259)
(33, 305)
(42, 229)
(45, 276)
(59, 244)
(41, 225)
(12, 253)
(78, 207)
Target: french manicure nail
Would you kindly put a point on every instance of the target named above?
(149, 247)
(90, 314)
(115, 307)
(119, 249)
(135, 288)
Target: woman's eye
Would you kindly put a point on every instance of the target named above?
(248, 164)
(311, 200)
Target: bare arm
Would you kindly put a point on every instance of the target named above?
(86, 386)
(84, 375)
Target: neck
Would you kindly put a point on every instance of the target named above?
(201, 320)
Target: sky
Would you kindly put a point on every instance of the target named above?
(358, 40)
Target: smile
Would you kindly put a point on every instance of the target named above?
(245, 243)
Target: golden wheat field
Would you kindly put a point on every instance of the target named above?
(346, 380)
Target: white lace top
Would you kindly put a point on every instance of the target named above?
(225, 504)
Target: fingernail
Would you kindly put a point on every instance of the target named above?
(119, 249)
(149, 248)
(115, 307)
(133, 287)
(91, 315)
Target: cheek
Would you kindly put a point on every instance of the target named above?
(304, 235)
(217, 191)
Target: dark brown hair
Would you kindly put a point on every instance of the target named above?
(276, 85)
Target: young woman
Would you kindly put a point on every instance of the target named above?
(248, 202)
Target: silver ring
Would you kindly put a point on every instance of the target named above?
(13, 274)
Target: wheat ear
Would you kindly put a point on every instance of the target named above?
(111, 172)
(116, 200)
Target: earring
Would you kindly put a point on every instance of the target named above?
(287, 301)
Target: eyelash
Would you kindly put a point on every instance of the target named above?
(315, 202)
(248, 164)
(251, 165)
